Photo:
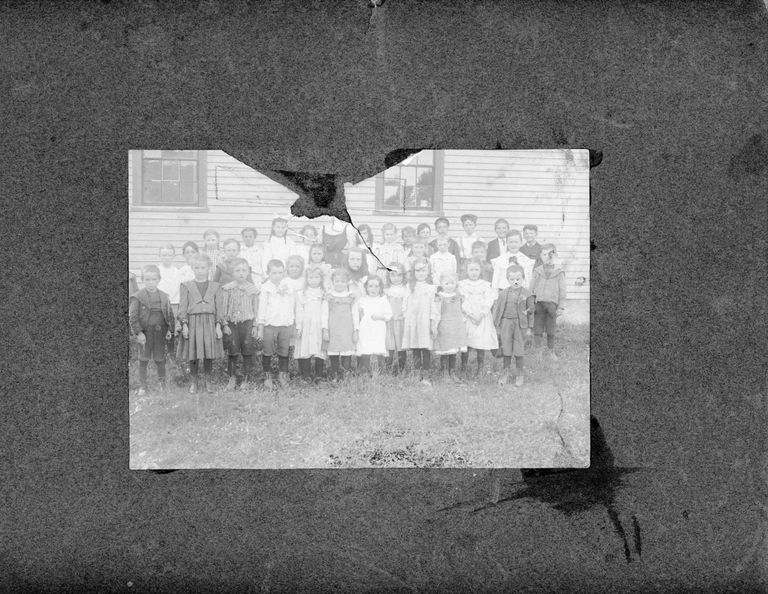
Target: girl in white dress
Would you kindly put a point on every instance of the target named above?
(374, 311)
(309, 326)
(420, 310)
(478, 300)
(395, 292)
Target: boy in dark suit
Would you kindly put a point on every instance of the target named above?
(498, 246)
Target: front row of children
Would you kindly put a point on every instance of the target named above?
(336, 321)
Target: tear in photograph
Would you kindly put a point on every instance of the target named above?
(446, 326)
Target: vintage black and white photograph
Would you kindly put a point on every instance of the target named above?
(446, 325)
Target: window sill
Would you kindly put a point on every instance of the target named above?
(136, 208)
(408, 213)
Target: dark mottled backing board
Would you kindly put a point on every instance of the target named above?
(674, 94)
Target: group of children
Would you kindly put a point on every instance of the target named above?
(321, 300)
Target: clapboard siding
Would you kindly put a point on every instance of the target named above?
(549, 188)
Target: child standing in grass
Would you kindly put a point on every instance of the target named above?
(151, 319)
(170, 277)
(448, 325)
(548, 286)
(357, 271)
(309, 331)
(276, 316)
(211, 244)
(442, 261)
(317, 260)
(513, 318)
(239, 302)
(201, 322)
(374, 312)
(278, 246)
(395, 293)
(513, 255)
(340, 322)
(389, 251)
(478, 301)
(419, 311)
(251, 253)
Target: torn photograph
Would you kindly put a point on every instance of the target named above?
(446, 325)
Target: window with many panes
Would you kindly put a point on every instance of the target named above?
(169, 178)
(414, 185)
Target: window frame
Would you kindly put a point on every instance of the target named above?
(137, 201)
(437, 210)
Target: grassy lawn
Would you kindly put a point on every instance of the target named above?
(384, 422)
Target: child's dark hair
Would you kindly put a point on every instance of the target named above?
(152, 269)
(407, 230)
(515, 268)
(439, 220)
(191, 244)
(515, 233)
(423, 226)
(306, 228)
(468, 217)
(531, 227)
(479, 244)
(276, 264)
(505, 221)
(251, 229)
(213, 232)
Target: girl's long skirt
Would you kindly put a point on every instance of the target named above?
(512, 339)
(202, 342)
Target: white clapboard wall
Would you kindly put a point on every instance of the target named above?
(547, 187)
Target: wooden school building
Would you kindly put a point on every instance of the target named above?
(174, 196)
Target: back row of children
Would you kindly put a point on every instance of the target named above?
(439, 296)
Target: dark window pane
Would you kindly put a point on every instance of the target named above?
(180, 155)
(188, 192)
(152, 169)
(171, 192)
(188, 171)
(152, 191)
(170, 170)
